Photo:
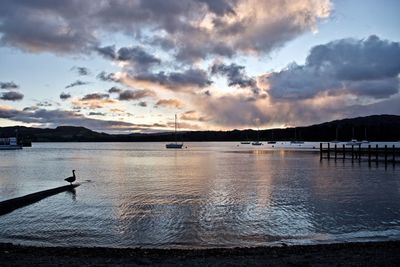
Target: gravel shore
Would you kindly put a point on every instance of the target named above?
(344, 254)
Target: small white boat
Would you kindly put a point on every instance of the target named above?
(10, 143)
(365, 141)
(353, 142)
(175, 145)
(257, 143)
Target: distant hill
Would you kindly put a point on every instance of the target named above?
(373, 128)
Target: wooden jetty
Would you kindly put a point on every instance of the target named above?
(8, 206)
(371, 153)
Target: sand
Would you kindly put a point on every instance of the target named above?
(344, 254)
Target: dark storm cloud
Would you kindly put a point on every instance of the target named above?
(137, 55)
(127, 95)
(107, 77)
(76, 83)
(241, 25)
(8, 85)
(114, 90)
(94, 96)
(369, 67)
(53, 118)
(82, 71)
(11, 96)
(236, 75)
(65, 96)
(107, 52)
(46, 26)
(173, 80)
(355, 60)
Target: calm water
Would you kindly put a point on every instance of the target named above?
(208, 195)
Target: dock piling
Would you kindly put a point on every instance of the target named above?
(386, 154)
(329, 151)
(335, 151)
(344, 152)
(320, 151)
(368, 153)
(394, 154)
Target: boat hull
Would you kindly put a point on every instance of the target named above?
(176, 146)
(10, 147)
(256, 144)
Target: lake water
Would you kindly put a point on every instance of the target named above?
(207, 195)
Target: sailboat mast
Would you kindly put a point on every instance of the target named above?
(337, 135)
(176, 140)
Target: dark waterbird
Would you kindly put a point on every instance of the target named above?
(71, 178)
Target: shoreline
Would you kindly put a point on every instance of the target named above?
(385, 253)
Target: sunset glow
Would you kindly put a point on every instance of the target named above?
(129, 66)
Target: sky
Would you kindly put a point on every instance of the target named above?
(122, 66)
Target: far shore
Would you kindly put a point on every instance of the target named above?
(342, 254)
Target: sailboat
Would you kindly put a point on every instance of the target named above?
(245, 142)
(271, 142)
(365, 141)
(175, 145)
(353, 141)
(257, 143)
(295, 141)
(337, 136)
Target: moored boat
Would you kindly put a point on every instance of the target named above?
(175, 145)
(10, 143)
(353, 142)
(257, 143)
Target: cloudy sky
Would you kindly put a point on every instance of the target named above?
(130, 65)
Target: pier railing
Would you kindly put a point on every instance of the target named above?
(371, 153)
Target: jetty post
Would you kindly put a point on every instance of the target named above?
(386, 154)
(320, 151)
(335, 151)
(329, 151)
(369, 154)
(344, 151)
